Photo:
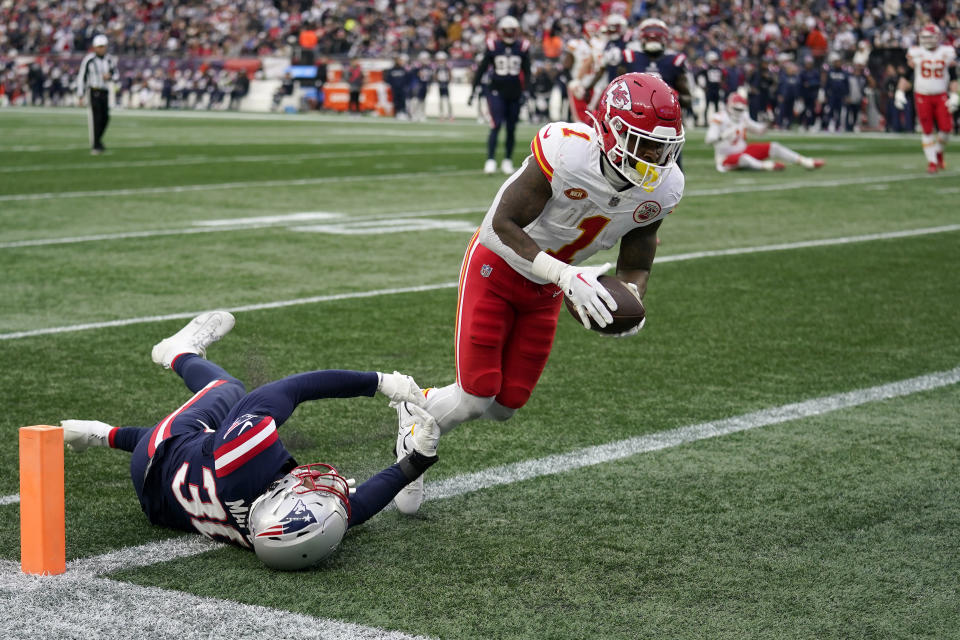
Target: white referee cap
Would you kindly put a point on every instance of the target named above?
(100, 40)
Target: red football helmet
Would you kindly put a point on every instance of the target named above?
(654, 35)
(508, 28)
(639, 128)
(930, 36)
(736, 106)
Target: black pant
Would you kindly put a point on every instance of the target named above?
(100, 115)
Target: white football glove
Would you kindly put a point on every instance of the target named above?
(400, 388)
(900, 99)
(580, 285)
(426, 431)
(78, 435)
(953, 102)
(576, 88)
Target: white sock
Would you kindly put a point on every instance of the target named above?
(929, 142)
(780, 152)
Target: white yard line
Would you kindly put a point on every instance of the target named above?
(447, 285)
(189, 160)
(14, 499)
(694, 193)
(81, 602)
(219, 186)
(250, 307)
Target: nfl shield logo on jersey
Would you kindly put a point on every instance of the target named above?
(614, 201)
(486, 270)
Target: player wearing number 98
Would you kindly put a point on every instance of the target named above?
(583, 189)
(509, 56)
(216, 466)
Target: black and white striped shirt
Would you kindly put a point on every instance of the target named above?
(96, 72)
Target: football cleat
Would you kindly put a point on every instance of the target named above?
(932, 168)
(409, 499)
(506, 166)
(78, 435)
(941, 163)
(490, 166)
(199, 334)
(812, 163)
(770, 165)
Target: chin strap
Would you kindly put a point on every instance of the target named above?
(612, 176)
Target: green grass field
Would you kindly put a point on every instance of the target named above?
(770, 290)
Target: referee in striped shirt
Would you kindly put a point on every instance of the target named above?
(97, 69)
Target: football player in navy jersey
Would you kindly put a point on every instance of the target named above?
(442, 77)
(614, 32)
(508, 56)
(216, 466)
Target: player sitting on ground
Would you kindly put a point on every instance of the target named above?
(216, 466)
(728, 134)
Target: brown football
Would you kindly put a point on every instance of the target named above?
(629, 313)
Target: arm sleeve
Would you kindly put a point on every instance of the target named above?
(280, 398)
(713, 133)
(82, 76)
(481, 69)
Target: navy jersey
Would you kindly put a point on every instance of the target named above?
(810, 79)
(789, 84)
(669, 66)
(509, 65)
(614, 58)
(397, 78)
(838, 83)
(201, 467)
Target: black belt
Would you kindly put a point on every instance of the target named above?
(92, 90)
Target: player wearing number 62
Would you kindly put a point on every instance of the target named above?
(216, 465)
(582, 189)
(934, 92)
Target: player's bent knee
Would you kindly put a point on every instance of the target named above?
(498, 412)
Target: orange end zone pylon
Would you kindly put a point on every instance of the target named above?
(42, 527)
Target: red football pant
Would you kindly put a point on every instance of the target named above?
(505, 328)
(933, 110)
(758, 150)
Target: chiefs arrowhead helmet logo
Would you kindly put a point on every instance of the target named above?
(575, 193)
(620, 96)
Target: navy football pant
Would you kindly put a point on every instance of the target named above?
(502, 112)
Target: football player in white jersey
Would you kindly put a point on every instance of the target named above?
(932, 65)
(584, 188)
(728, 132)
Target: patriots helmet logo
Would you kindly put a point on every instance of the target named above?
(298, 518)
(619, 96)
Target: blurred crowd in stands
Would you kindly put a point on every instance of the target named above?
(781, 51)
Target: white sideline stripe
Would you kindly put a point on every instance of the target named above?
(217, 186)
(609, 452)
(780, 186)
(250, 307)
(75, 605)
(13, 499)
(447, 285)
(123, 235)
(806, 244)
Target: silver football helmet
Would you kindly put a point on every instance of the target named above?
(301, 518)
